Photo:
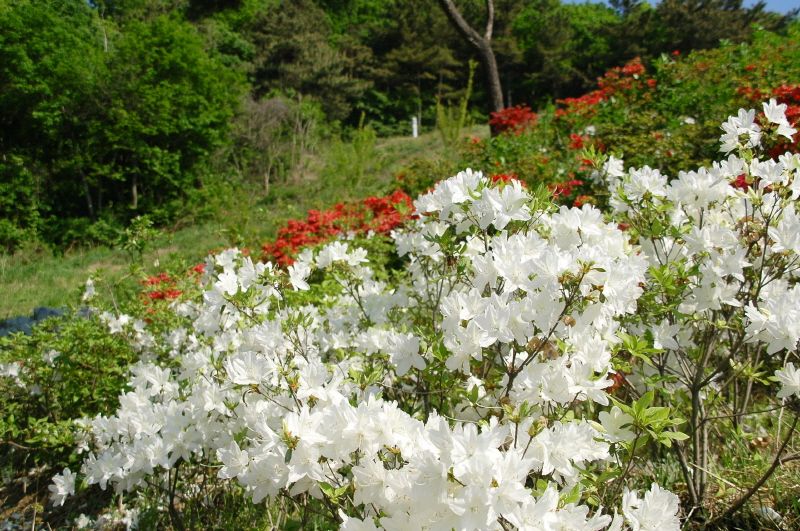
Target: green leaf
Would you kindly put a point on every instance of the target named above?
(473, 394)
(657, 227)
(656, 413)
(327, 488)
(574, 495)
(646, 399)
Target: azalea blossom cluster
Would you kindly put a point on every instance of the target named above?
(370, 216)
(292, 398)
(513, 120)
(733, 227)
(723, 249)
(619, 80)
(470, 390)
(788, 95)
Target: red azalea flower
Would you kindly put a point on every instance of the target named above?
(513, 120)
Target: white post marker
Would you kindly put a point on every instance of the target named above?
(414, 132)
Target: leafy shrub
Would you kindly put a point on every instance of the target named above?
(666, 118)
(20, 219)
(74, 367)
(68, 368)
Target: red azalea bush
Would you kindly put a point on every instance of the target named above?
(161, 290)
(578, 141)
(564, 189)
(513, 120)
(628, 80)
(376, 214)
(661, 115)
(161, 287)
(790, 95)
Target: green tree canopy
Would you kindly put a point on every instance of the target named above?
(100, 120)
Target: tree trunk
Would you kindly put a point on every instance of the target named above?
(135, 192)
(492, 74)
(419, 99)
(482, 44)
(85, 184)
(84, 181)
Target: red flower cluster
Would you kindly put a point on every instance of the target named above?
(513, 120)
(475, 143)
(790, 95)
(563, 188)
(615, 81)
(164, 294)
(582, 200)
(577, 141)
(740, 182)
(583, 105)
(165, 287)
(377, 214)
(155, 280)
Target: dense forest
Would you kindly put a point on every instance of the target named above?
(112, 109)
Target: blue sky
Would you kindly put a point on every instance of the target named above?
(779, 6)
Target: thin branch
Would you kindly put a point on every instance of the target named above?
(458, 21)
(489, 20)
(747, 495)
(17, 445)
(790, 457)
(743, 414)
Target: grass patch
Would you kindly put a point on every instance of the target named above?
(35, 276)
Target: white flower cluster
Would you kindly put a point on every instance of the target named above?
(730, 232)
(521, 304)
(742, 132)
(323, 379)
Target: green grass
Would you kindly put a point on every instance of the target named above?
(35, 276)
(402, 150)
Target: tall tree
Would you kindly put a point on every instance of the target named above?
(51, 64)
(415, 65)
(293, 53)
(566, 46)
(169, 107)
(96, 116)
(482, 44)
(687, 25)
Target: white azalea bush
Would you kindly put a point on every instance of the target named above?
(722, 305)
(495, 383)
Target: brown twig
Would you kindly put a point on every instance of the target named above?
(746, 496)
(790, 457)
(17, 445)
